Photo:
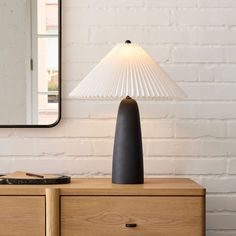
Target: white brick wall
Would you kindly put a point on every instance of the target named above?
(195, 41)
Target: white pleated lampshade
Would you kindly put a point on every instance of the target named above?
(127, 70)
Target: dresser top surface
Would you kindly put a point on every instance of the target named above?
(103, 186)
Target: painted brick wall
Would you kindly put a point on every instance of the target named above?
(195, 41)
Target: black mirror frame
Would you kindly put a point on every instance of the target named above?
(59, 78)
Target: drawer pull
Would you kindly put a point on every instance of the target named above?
(131, 225)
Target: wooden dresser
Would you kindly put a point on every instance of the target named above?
(87, 207)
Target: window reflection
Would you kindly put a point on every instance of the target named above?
(47, 63)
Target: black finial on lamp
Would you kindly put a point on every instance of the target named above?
(128, 42)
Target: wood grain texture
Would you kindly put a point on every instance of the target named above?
(22, 216)
(105, 216)
(52, 212)
(155, 186)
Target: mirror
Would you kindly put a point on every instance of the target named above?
(30, 63)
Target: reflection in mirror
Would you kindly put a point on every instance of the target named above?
(29, 62)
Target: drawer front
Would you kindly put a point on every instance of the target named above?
(22, 216)
(154, 216)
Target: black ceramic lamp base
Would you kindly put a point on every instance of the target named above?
(127, 166)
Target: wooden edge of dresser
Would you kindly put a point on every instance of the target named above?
(22, 191)
(104, 192)
(94, 186)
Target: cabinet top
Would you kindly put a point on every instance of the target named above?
(103, 186)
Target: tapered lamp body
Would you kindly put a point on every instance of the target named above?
(127, 165)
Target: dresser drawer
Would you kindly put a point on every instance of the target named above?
(154, 216)
(23, 215)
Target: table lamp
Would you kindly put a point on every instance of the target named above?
(127, 72)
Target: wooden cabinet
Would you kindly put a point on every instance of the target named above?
(95, 207)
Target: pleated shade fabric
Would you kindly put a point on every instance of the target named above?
(127, 70)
